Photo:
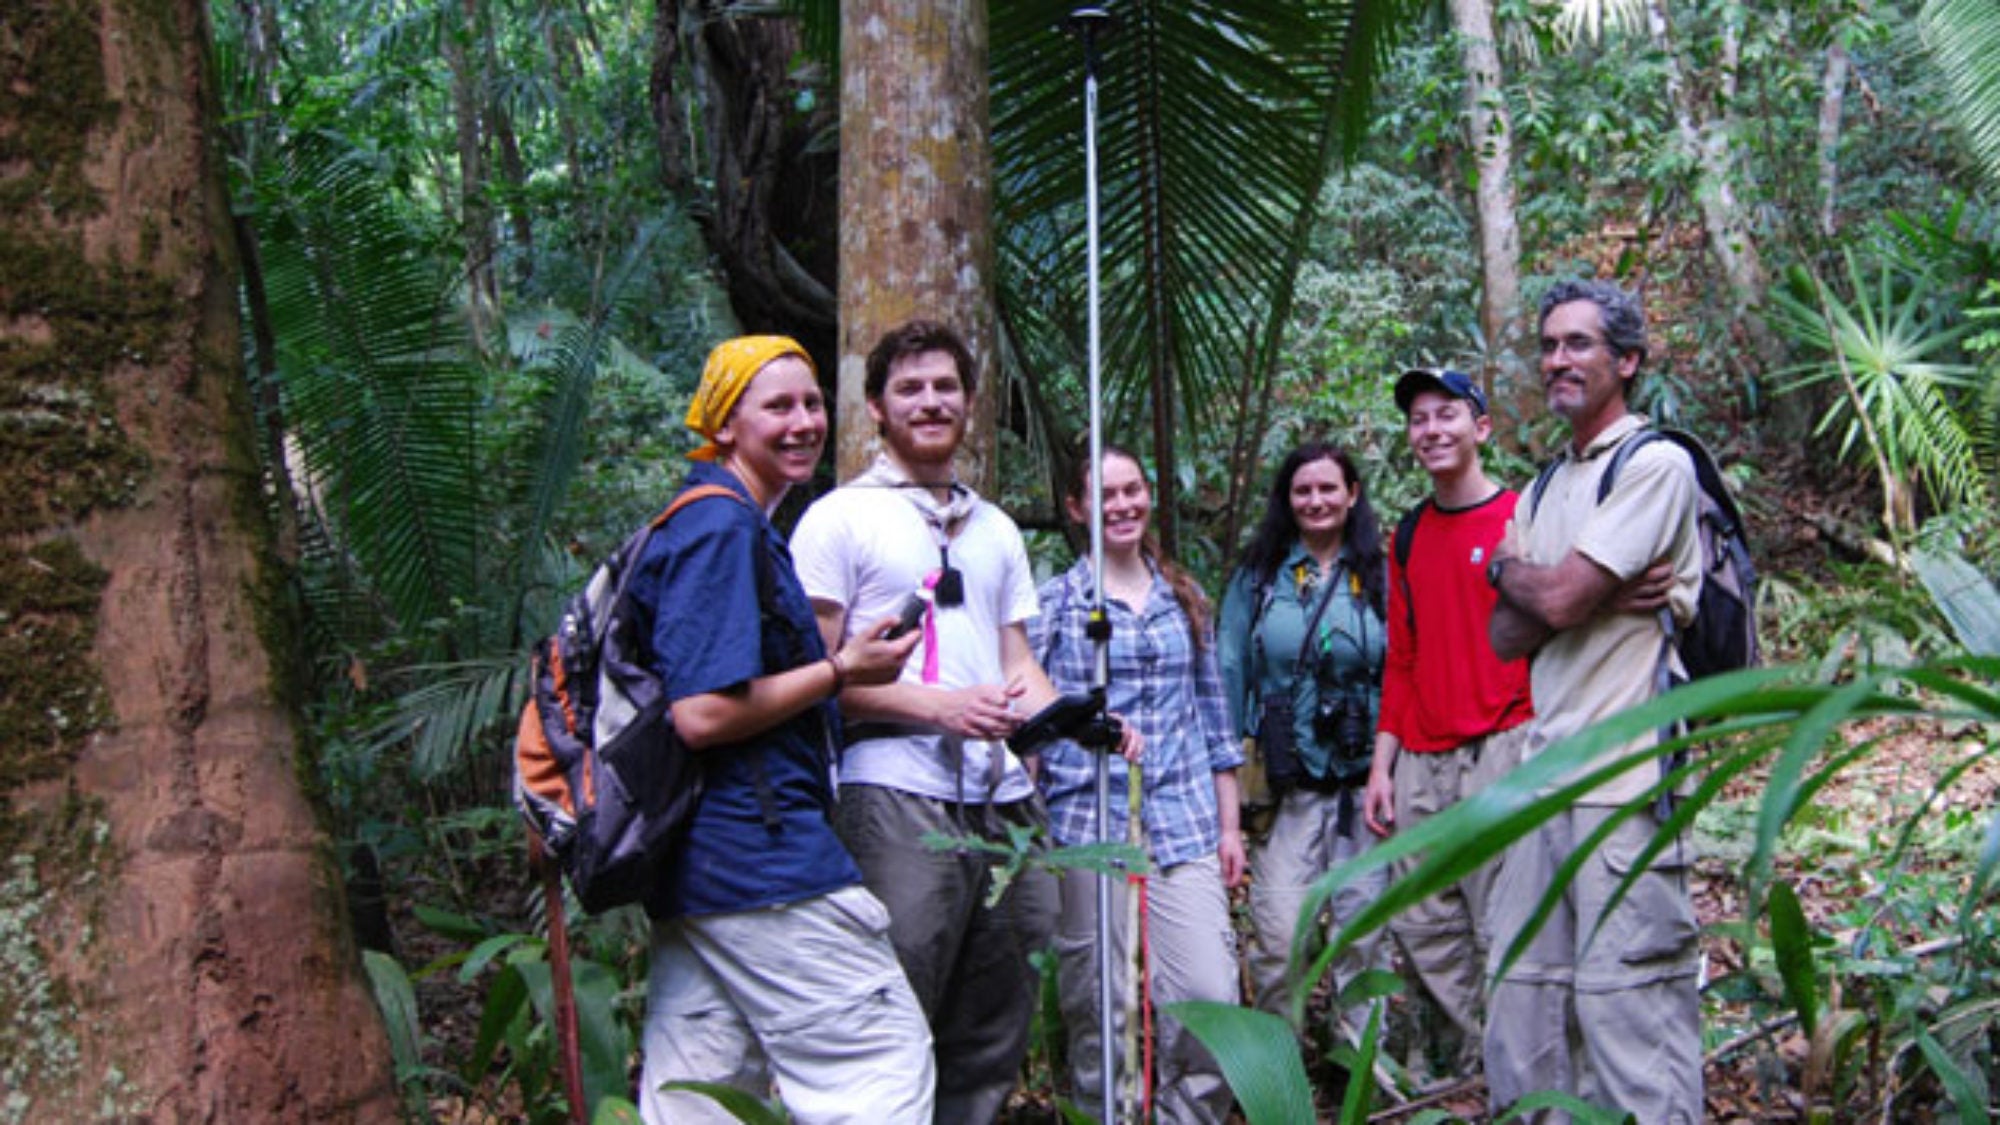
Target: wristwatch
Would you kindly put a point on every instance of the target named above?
(1494, 568)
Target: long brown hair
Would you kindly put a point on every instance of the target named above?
(1193, 600)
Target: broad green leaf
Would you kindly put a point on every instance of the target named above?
(449, 923)
(746, 1107)
(1580, 1112)
(601, 1038)
(506, 1000)
(483, 953)
(1360, 1095)
(398, 1002)
(1259, 1055)
(1965, 596)
(1791, 943)
(615, 1111)
(1965, 1095)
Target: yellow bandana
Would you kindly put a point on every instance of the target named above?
(730, 368)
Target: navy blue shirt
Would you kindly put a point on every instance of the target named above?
(718, 598)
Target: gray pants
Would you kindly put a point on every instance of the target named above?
(967, 961)
(1305, 842)
(1192, 953)
(807, 994)
(1613, 1019)
(1444, 937)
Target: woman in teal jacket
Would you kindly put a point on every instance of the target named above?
(1301, 641)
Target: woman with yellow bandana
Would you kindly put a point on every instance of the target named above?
(771, 964)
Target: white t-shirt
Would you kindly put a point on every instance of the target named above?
(867, 549)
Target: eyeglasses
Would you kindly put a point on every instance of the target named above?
(1576, 345)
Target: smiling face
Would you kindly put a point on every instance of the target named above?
(1445, 433)
(921, 411)
(1583, 379)
(1128, 505)
(774, 434)
(1321, 498)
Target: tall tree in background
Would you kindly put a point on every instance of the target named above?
(916, 188)
(178, 950)
(1510, 374)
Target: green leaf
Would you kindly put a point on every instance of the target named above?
(602, 1041)
(615, 1111)
(746, 1107)
(398, 1002)
(1360, 1096)
(448, 923)
(1791, 943)
(1580, 1112)
(506, 999)
(1959, 1085)
(1259, 1055)
(1370, 984)
(476, 961)
(1965, 597)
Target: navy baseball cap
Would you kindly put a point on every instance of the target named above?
(1454, 384)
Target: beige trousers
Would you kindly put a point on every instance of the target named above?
(1613, 1018)
(1443, 938)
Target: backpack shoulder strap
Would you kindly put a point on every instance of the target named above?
(698, 492)
(1405, 538)
(1541, 485)
(1406, 533)
(1631, 445)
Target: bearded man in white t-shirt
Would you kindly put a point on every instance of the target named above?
(926, 754)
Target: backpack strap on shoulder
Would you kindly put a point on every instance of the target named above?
(689, 496)
(1406, 535)
(1631, 445)
(1541, 485)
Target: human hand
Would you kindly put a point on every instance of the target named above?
(1131, 744)
(1232, 856)
(1646, 591)
(1378, 803)
(980, 711)
(869, 657)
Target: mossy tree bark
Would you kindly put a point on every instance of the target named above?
(176, 947)
(916, 201)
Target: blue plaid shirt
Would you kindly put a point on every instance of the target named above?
(1158, 682)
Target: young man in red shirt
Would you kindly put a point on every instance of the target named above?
(1454, 716)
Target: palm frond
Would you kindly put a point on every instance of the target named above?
(1892, 354)
(450, 708)
(1215, 123)
(1964, 37)
(378, 391)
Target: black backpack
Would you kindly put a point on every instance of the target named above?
(602, 779)
(1723, 635)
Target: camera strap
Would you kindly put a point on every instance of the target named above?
(1318, 611)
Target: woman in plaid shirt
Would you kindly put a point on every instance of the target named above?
(1164, 678)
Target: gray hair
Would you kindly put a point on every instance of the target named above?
(1618, 312)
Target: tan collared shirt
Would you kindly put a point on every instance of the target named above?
(1606, 665)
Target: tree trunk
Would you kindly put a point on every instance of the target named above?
(916, 192)
(177, 947)
(1511, 375)
(482, 286)
(1706, 141)
(1832, 103)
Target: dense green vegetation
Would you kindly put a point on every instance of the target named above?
(484, 254)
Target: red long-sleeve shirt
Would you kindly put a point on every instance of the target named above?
(1441, 685)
